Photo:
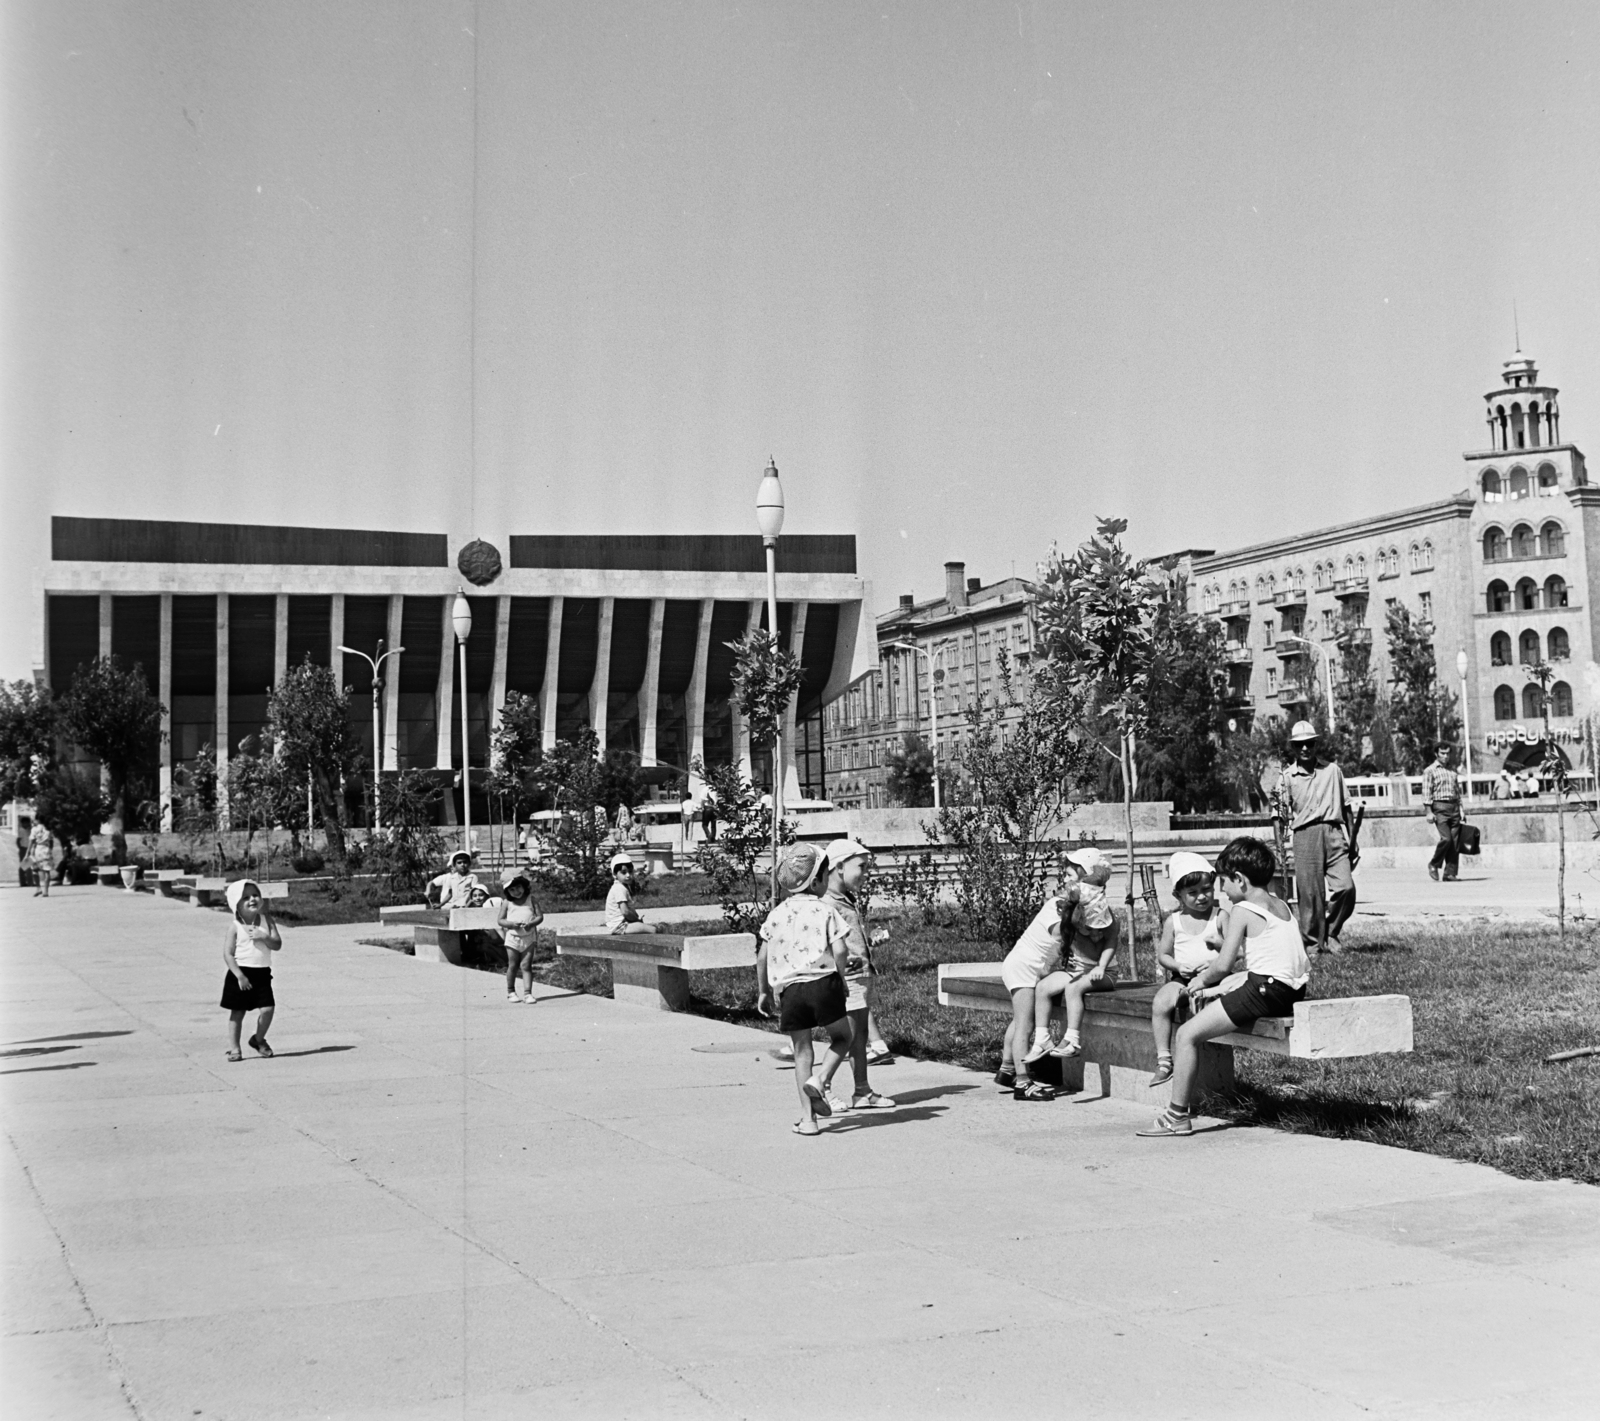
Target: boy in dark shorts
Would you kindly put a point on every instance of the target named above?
(802, 960)
(1276, 972)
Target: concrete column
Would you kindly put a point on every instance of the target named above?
(791, 761)
(649, 693)
(497, 679)
(600, 685)
(552, 678)
(220, 717)
(164, 695)
(335, 640)
(697, 695)
(391, 683)
(443, 719)
(280, 638)
(105, 651)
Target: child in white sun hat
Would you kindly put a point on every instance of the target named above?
(621, 915)
(847, 867)
(1089, 933)
(1191, 938)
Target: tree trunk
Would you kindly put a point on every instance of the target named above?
(332, 829)
(1561, 863)
(1127, 811)
(119, 816)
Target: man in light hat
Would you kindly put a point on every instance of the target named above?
(621, 915)
(454, 887)
(1318, 810)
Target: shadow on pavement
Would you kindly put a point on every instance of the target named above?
(59, 1066)
(309, 1051)
(912, 1097)
(36, 1051)
(866, 1120)
(72, 1036)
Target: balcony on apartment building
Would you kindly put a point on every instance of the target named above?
(1346, 587)
(1289, 597)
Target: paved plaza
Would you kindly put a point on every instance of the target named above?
(433, 1204)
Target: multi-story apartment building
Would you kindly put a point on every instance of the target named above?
(934, 659)
(1500, 571)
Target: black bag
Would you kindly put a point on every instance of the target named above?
(1467, 839)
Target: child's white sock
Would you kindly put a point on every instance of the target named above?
(1069, 1035)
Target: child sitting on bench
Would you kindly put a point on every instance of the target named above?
(1090, 927)
(1276, 972)
(1191, 938)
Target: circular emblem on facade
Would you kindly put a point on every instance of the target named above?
(479, 562)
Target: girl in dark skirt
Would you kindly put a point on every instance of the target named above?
(247, 952)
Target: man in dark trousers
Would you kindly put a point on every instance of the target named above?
(1441, 802)
(1318, 810)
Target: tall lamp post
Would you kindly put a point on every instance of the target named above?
(461, 618)
(769, 518)
(1327, 671)
(1466, 722)
(377, 743)
(933, 706)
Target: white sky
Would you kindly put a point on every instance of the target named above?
(972, 273)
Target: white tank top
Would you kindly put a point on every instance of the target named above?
(1279, 951)
(1193, 950)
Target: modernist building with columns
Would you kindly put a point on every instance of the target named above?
(626, 634)
(1500, 571)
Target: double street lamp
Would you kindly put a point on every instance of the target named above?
(1327, 671)
(1466, 721)
(377, 742)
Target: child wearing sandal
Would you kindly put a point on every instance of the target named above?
(518, 925)
(1276, 972)
(1036, 955)
(847, 867)
(1094, 939)
(801, 961)
(1191, 939)
(247, 949)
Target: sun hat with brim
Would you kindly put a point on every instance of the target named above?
(617, 861)
(841, 851)
(799, 866)
(1184, 863)
(1094, 863)
(458, 855)
(1303, 730)
(515, 875)
(234, 892)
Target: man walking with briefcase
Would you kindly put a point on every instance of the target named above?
(1441, 802)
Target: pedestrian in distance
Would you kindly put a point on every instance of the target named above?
(41, 853)
(1312, 797)
(1441, 803)
(800, 965)
(247, 949)
(518, 925)
(621, 915)
(848, 862)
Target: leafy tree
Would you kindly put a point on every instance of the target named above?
(1018, 772)
(1362, 740)
(1247, 756)
(1177, 754)
(1553, 767)
(1422, 710)
(308, 718)
(1097, 612)
(69, 806)
(514, 752)
(574, 780)
(407, 851)
(765, 680)
(746, 834)
(110, 714)
(621, 781)
(910, 766)
(27, 737)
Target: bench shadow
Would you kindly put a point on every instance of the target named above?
(71, 1036)
(868, 1120)
(12, 1053)
(310, 1051)
(557, 996)
(59, 1066)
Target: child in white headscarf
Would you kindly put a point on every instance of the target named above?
(247, 950)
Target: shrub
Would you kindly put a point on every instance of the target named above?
(746, 834)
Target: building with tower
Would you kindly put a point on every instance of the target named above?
(1500, 572)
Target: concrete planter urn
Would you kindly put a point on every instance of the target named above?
(130, 877)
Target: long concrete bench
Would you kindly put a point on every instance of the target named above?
(1116, 1031)
(652, 969)
(201, 891)
(439, 934)
(166, 880)
(109, 874)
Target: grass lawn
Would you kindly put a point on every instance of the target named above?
(1490, 1002)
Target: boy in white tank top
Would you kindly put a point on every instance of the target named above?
(1276, 972)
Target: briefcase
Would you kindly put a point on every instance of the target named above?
(1467, 839)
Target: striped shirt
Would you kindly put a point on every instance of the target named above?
(1440, 782)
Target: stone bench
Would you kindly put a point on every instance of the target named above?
(109, 874)
(166, 880)
(652, 969)
(201, 892)
(1116, 1032)
(440, 934)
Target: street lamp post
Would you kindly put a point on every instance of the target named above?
(769, 518)
(377, 743)
(461, 619)
(1327, 672)
(1466, 721)
(933, 707)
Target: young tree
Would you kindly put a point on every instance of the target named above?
(514, 751)
(1422, 712)
(1097, 612)
(1362, 741)
(110, 714)
(27, 737)
(406, 853)
(573, 781)
(1177, 755)
(910, 766)
(69, 807)
(1554, 768)
(309, 720)
(747, 832)
(765, 679)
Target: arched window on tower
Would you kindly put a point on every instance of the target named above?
(1517, 485)
(1528, 648)
(1500, 649)
(1549, 481)
(1555, 591)
(1505, 703)
(1553, 422)
(1553, 540)
(1493, 489)
(1532, 702)
(1527, 595)
(1519, 433)
(1522, 544)
(1499, 596)
(1561, 700)
(1500, 416)
(1494, 547)
(1560, 646)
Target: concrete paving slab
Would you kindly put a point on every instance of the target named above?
(62, 1376)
